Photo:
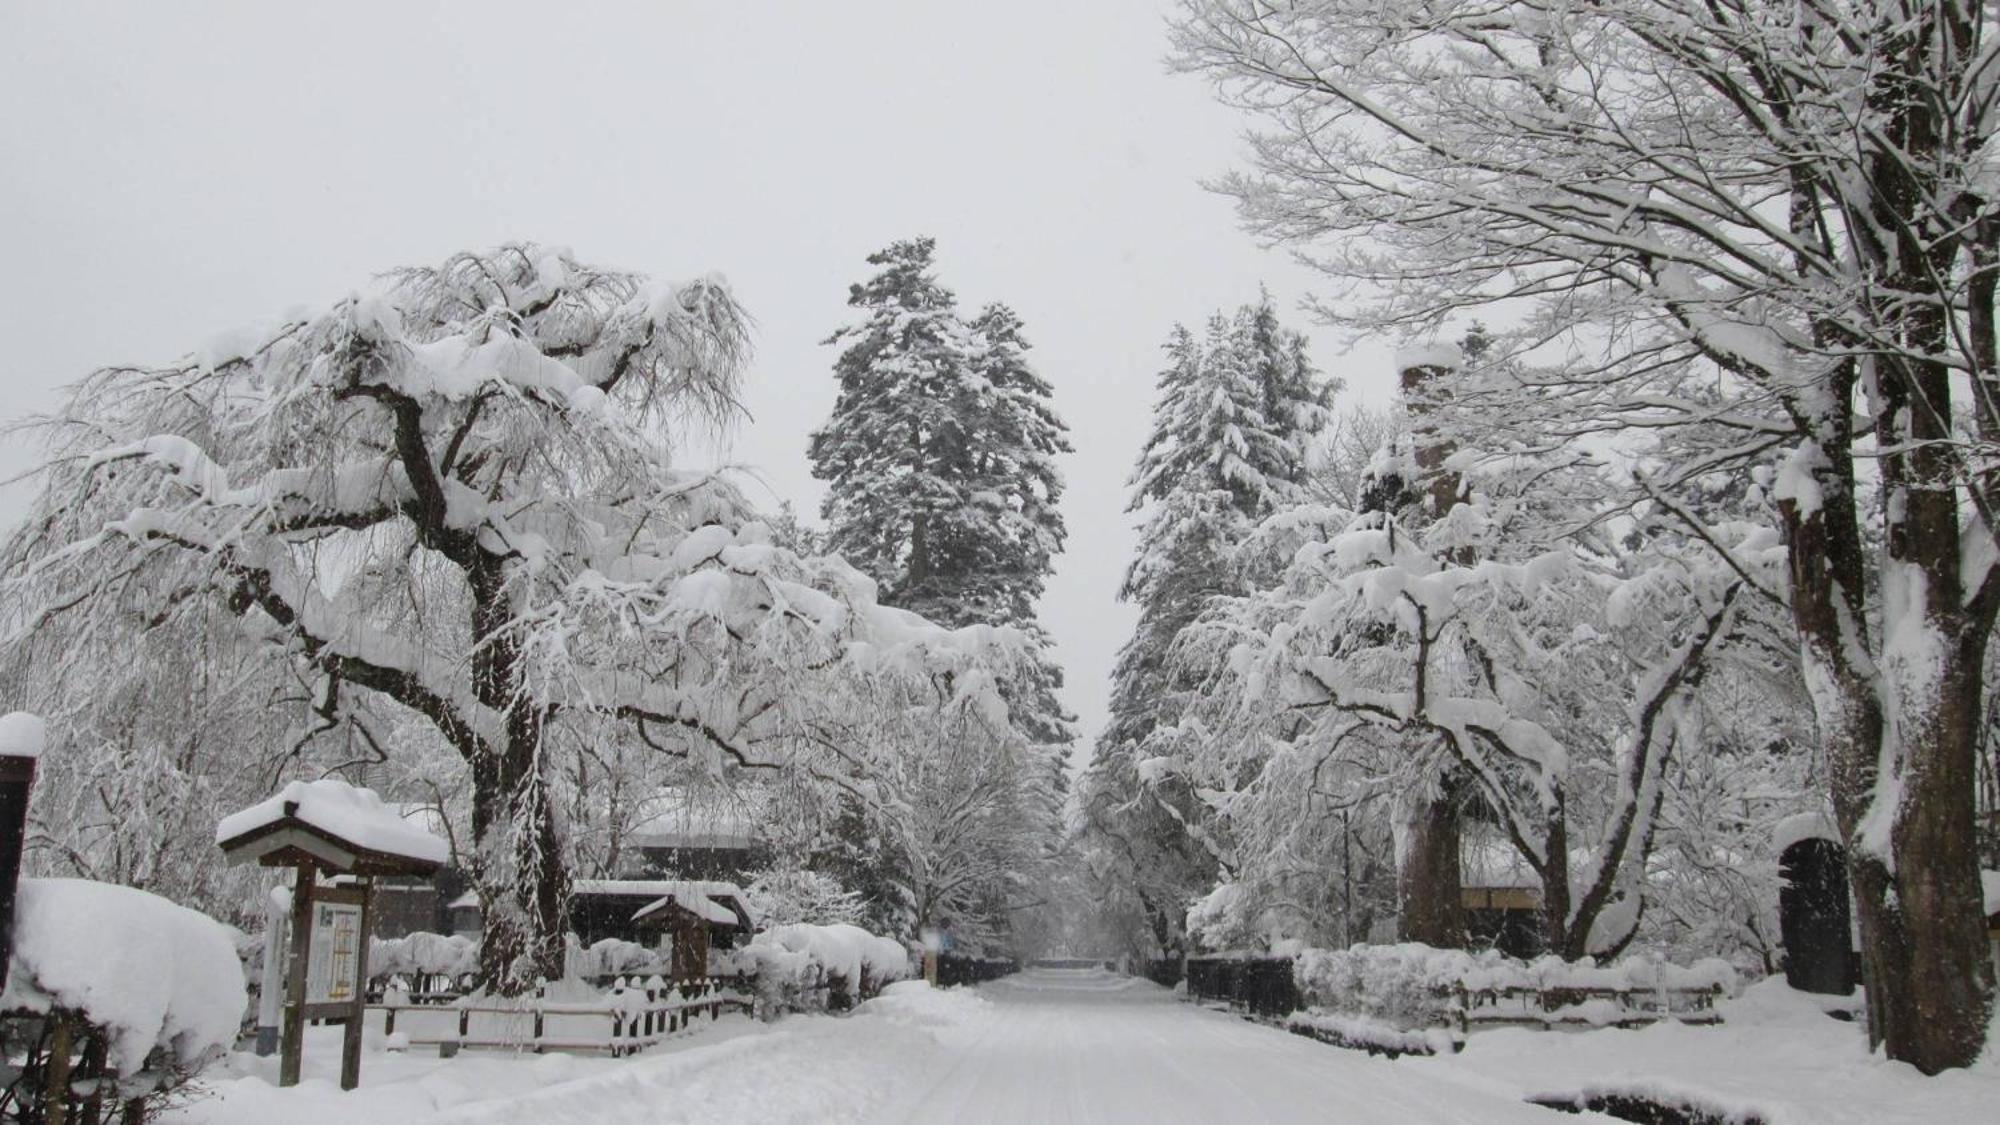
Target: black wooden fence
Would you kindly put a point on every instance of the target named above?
(954, 969)
(1262, 986)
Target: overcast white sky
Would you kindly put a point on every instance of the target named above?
(170, 171)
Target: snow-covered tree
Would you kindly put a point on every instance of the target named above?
(785, 895)
(940, 459)
(899, 502)
(449, 500)
(156, 733)
(1560, 683)
(1235, 418)
(1775, 220)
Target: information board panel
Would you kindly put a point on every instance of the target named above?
(333, 970)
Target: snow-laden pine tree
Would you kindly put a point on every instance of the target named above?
(448, 503)
(899, 503)
(1234, 418)
(940, 461)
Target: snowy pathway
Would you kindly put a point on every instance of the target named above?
(1088, 1047)
(1046, 1046)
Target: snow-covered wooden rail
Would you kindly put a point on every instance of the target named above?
(630, 1019)
(1584, 1007)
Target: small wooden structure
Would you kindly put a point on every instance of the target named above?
(1814, 918)
(696, 915)
(328, 827)
(1501, 897)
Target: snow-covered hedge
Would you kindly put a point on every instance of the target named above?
(148, 973)
(1410, 985)
(614, 957)
(1404, 985)
(806, 967)
(429, 954)
(1373, 1036)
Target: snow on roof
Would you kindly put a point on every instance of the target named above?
(1429, 355)
(154, 973)
(342, 811)
(468, 899)
(1814, 825)
(22, 735)
(650, 888)
(711, 900)
(693, 826)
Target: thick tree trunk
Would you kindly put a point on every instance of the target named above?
(1910, 838)
(1427, 879)
(522, 881)
(518, 857)
(1429, 884)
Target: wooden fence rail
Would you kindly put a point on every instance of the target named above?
(1552, 1007)
(631, 1019)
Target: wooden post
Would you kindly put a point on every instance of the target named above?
(17, 776)
(55, 1071)
(350, 1040)
(271, 989)
(292, 1050)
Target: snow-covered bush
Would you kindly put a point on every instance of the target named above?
(613, 957)
(429, 954)
(156, 985)
(1404, 985)
(803, 967)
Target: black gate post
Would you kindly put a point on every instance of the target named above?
(20, 745)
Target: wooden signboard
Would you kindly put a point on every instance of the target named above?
(327, 978)
(329, 972)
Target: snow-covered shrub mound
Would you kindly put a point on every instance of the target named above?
(915, 1003)
(1359, 1033)
(1403, 985)
(432, 954)
(793, 961)
(148, 972)
(613, 957)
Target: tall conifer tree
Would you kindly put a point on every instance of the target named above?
(940, 459)
(1235, 414)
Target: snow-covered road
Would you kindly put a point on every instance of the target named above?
(1062, 1046)
(1047, 1046)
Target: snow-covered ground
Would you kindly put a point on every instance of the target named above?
(1048, 1046)
(1084, 1046)
(1777, 1055)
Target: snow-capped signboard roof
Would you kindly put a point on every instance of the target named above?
(334, 825)
(713, 902)
(21, 735)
